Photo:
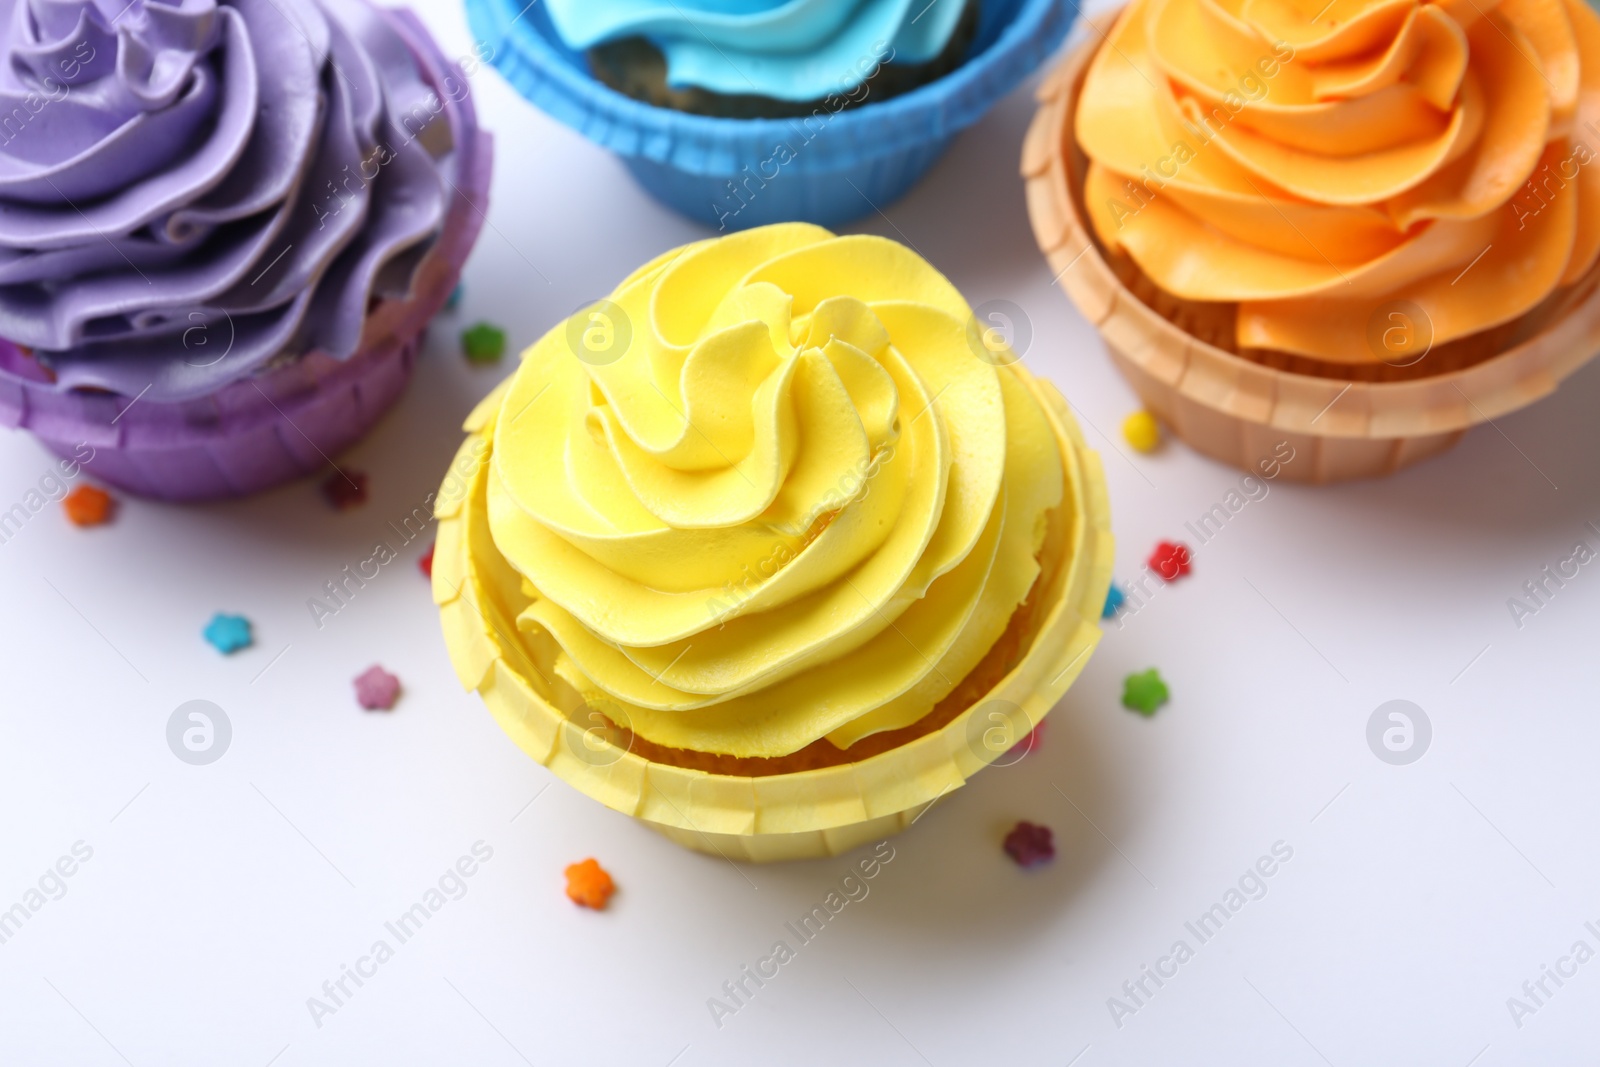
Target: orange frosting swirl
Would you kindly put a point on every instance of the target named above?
(1317, 162)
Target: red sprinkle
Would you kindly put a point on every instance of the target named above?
(1030, 844)
(1170, 560)
(425, 563)
(345, 489)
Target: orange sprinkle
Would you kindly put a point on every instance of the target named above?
(88, 506)
(589, 884)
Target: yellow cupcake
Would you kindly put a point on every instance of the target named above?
(770, 549)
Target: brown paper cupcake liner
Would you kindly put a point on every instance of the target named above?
(1239, 406)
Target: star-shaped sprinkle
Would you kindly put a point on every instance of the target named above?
(588, 884)
(1115, 598)
(345, 489)
(483, 343)
(1170, 560)
(1030, 844)
(425, 562)
(88, 506)
(228, 633)
(377, 689)
(1144, 692)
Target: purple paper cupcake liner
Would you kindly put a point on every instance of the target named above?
(282, 423)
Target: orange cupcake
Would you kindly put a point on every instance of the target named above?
(1358, 226)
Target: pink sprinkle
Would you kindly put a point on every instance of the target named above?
(377, 689)
(1029, 744)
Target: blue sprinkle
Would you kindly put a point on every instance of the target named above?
(453, 301)
(1114, 600)
(228, 633)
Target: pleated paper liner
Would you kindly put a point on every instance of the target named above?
(281, 423)
(1239, 406)
(730, 173)
(812, 803)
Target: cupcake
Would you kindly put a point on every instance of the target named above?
(1355, 232)
(772, 548)
(742, 114)
(225, 226)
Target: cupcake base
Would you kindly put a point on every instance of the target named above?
(282, 423)
(742, 199)
(806, 845)
(886, 781)
(236, 442)
(1240, 408)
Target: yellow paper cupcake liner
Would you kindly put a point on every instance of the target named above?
(1237, 410)
(804, 814)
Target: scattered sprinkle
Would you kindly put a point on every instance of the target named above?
(345, 489)
(1142, 431)
(1030, 743)
(1170, 560)
(1144, 692)
(1115, 598)
(425, 562)
(228, 633)
(1030, 844)
(588, 884)
(377, 689)
(88, 506)
(453, 301)
(483, 343)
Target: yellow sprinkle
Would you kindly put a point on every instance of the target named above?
(1142, 431)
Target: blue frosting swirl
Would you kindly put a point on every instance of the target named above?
(793, 50)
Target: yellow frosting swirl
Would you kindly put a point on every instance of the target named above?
(1317, 161)
(783, 492)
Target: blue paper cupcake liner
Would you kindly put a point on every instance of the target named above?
(736, 173)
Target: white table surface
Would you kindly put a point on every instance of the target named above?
(219, 898)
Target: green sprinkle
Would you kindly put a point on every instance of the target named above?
(483, 343)
(1144, 692)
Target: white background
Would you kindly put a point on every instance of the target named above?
(219, 898)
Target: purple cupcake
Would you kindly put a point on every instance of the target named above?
(224, 226)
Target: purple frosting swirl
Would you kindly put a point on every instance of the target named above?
(193, 189)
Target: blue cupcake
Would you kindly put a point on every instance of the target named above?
(739, 113)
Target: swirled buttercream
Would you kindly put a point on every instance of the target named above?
(784, 49)
(257, 170)
(801, 501)
(1315, 163)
